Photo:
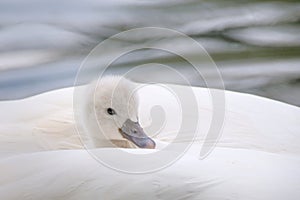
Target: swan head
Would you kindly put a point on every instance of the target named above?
(115, 104)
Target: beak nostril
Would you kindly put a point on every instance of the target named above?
(133, 132)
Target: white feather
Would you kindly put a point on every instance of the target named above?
(257, 156)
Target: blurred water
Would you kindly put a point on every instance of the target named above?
(255, 44)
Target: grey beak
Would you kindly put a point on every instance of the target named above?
(133, 132)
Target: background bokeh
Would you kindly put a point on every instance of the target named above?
(255, 44)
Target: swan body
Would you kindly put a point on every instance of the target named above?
(256, 157)
(225, 174)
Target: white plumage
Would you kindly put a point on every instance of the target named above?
(257, 156)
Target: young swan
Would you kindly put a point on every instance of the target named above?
(111, 114)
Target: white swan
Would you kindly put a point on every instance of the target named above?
(257, 156)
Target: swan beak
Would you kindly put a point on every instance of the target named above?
(133, 132)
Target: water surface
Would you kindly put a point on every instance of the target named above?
(255, 44)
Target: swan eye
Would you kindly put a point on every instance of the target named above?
(111, 111)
